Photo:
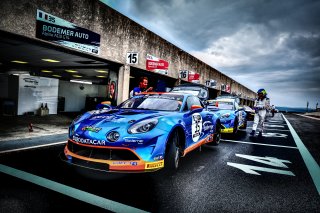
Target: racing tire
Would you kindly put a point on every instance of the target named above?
(245, 124)
(217, 135)
(235, 126)
(172, 157)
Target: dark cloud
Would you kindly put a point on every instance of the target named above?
(260, 43)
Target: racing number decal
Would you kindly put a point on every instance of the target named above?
(196, 127)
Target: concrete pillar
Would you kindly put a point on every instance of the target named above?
(123, 83)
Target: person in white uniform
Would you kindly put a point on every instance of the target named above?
(261, 105)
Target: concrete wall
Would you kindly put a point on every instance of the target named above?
(118, 35)
(75, 98)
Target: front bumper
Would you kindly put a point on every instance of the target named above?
(107, 159)
(227, 130)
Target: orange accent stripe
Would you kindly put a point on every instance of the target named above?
(194, 146)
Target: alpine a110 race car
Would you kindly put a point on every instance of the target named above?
(232, 116)
(144, 133)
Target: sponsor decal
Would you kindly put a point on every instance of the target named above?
(159, 157)
(207, 126)
(196, 127)
(107, 117)
(133, 140)
(209, 138)
(91, 129)
(155, 165)
(134, 163)
(89, 141)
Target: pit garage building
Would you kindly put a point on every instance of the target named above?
(72, 54)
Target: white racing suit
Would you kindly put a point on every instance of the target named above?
(260, 107)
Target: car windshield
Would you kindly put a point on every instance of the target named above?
(196, 91)
(223, 105)
(163, 102)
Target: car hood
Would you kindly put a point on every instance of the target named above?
(118, 117)
(222, 111)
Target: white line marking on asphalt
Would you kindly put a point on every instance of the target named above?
(69, 191)
(32, 147)
(311, 164)
(272, 129)
(261, 144)
(309, 117)
(200, 168)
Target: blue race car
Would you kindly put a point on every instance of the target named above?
(232, 116)
(145, 133)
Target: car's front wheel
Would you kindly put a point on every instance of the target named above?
(172, 157)
(217, 135)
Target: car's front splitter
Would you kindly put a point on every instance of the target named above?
(124, 166)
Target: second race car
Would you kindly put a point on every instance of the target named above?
(232, 116)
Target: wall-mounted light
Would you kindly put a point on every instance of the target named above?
(19, 62)
(81, 82)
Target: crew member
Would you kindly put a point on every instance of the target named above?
(261, 105)
(143, 84)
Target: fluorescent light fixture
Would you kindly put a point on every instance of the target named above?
(58, 76)
(101, 71)
(19, 62)
(50, 60)
(81, 82)
(102, 76)
(77, 76)
(49, 71)
(72, 71)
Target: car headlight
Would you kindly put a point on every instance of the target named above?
(143, 126)
(71, 130)
(227, 115)
(113, 136)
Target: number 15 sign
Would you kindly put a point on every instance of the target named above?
(132, 58)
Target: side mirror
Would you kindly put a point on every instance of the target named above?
(103, 106)
(193, 107)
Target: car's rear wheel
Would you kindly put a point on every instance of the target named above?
(172, 157)
(235, 126)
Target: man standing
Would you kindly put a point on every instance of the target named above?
(143, 83)
(261, 105)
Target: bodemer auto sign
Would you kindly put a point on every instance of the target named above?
(57, 30)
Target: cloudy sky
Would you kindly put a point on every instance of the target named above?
(267, 44)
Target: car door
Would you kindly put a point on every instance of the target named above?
(195, 120)
(240, 113)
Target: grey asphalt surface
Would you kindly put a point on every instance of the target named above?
(203, 183)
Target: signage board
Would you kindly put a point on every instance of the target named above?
(183, 75)
(157, 65)
(194, 77)
(132, 58)
(54, 29)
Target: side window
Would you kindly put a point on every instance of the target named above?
(236, 105)
(191, 101)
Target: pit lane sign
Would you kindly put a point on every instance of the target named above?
(57, 30)
(132, 58)
(157, 65)
(183, 74)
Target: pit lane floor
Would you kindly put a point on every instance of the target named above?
(243, 174)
